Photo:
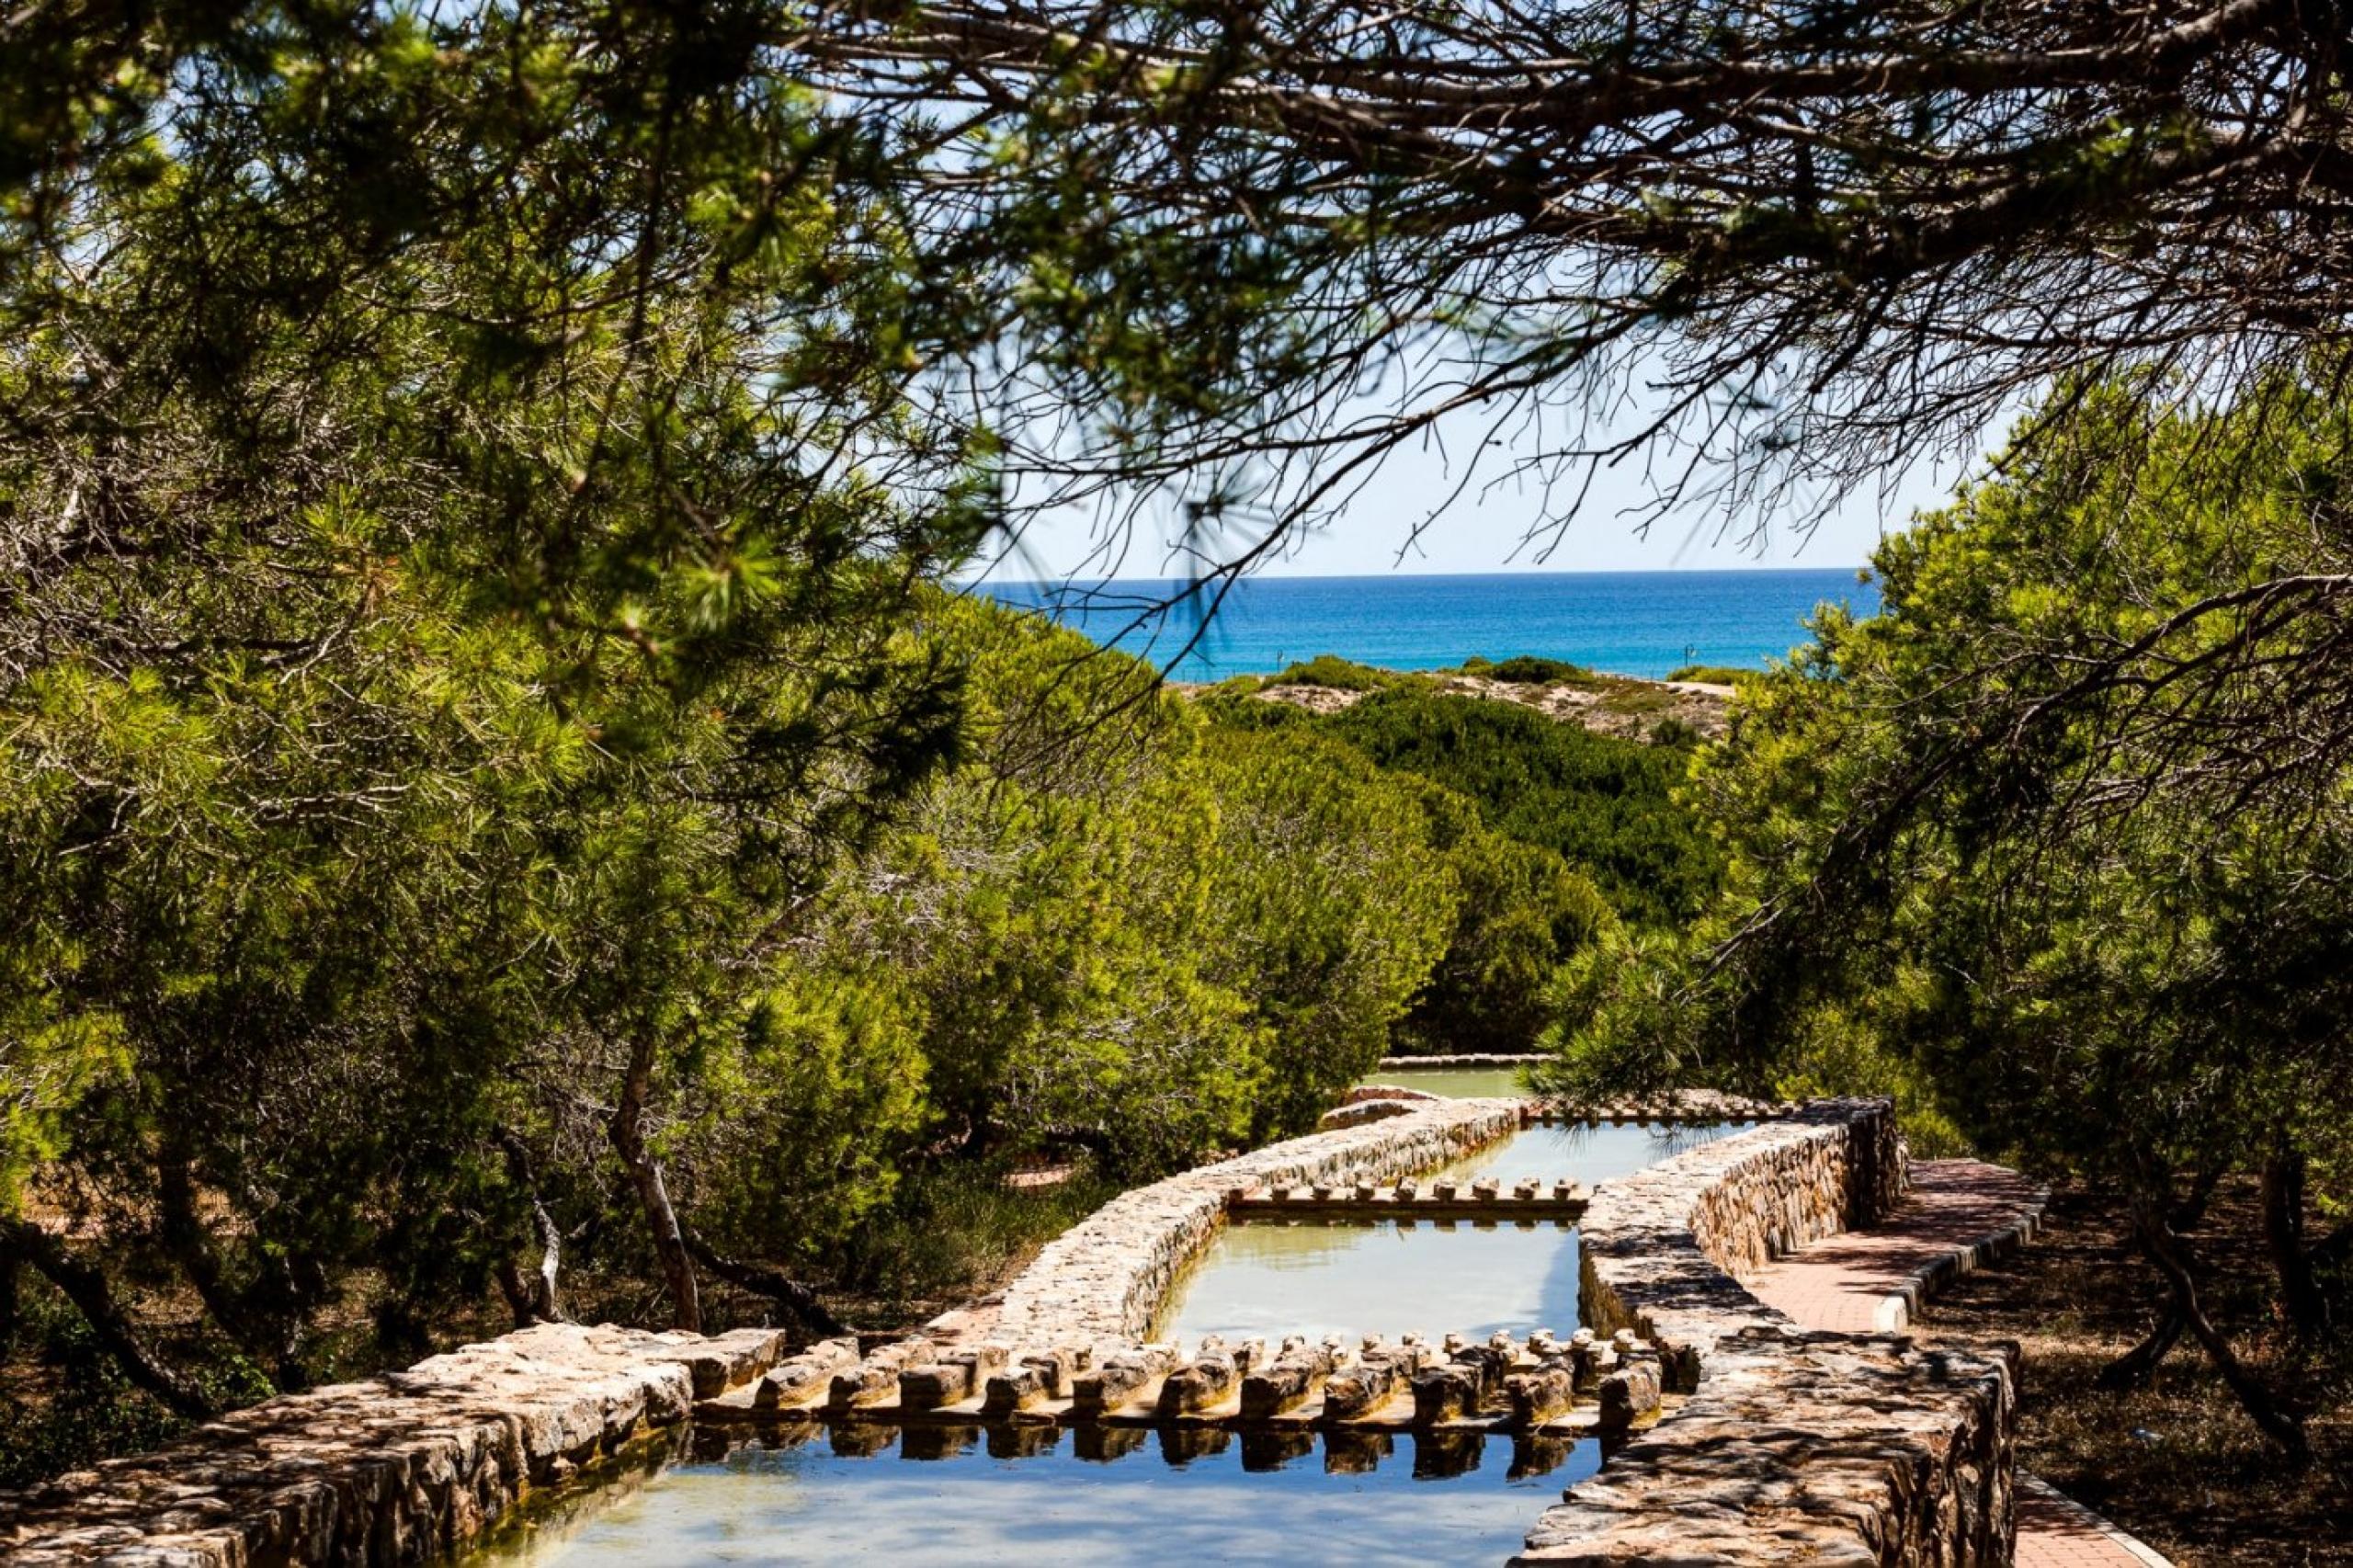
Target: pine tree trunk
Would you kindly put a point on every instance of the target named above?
(777, 1286)
(2137, 1366)
(86, 1286)
(2282, 1426)
(627, 1131)
(533, 1300)
(2283, 1233)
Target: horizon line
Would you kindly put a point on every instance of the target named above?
(985, 579)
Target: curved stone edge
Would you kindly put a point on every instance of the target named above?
(1105, 1278)
(1900, 1306)
(1792, 1446)
(398, 1469)
(1661, 1250)
(2085, 1518)
(1461, 1058)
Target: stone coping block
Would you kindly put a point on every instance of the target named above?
(1792, 1446)
(396, 1469)
(1809, 1448)
(1663, 1250)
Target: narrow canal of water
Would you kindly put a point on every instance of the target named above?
(1270, 1278)
(1575, 1152)
(962, 1496)
(1037, 1495)
(1455, 1083)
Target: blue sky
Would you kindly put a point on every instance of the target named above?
(1484, 530)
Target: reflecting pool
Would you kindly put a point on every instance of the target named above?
(1272, 1278)
(1455, 1083)
(1590, 1155)
(960, 1496)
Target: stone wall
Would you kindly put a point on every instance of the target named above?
(395, 1469)
(1105, 1278)
(1459, 1058)
(1663, 1249)
(1792, 1446)
(1809, 1448)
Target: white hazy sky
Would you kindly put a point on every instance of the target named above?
(1484, 529)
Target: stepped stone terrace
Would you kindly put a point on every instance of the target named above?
(1737, 1436)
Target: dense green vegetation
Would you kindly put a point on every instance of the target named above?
(498, 818)
(538, 1032)
(1605, 806)
(1567, 842)
(1330, 671)
(2055, 848)
(1526, 669)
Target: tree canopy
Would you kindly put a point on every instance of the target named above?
(1762, 250)
(2056, 844)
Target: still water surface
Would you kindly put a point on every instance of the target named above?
(1590, 1155)
(1268, 1279)
(951, 1495)
(1273, 1277)
(1455, 1083)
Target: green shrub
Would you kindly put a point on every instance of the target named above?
(1605, 805)
(953, 1228)
(1715, 675)
(1529, 670)
(1337, 674)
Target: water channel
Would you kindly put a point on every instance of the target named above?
(965, 1495)
(1454, 1083)
(1037, 1495)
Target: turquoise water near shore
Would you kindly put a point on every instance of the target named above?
(1632, 623)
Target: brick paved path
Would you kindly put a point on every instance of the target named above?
(1845, 1282)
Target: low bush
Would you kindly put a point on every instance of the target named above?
(1715, 675)
(1529, 670)
(1331, 671)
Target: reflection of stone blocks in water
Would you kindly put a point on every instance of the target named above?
(1533, 1454)
(1355, 1453)
(1266, 1450)
(860, 1439)
(1102, 1445)
(1441, 1456)
(1026, 1440)
(1182, 1445)
(926, 1441)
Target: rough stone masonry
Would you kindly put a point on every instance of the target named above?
(1794, 1445)
(396, 1469)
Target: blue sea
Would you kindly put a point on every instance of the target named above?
(1634, 623)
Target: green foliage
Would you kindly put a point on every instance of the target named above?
(1526, 669)
(794, 1126)
(1332, 908)
(1605, 806)
(955, 1226)
(1523, 915)
(464, 533)
(2052, 847)
(1716, 674)
(1332, 670)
